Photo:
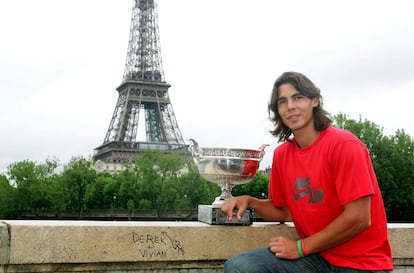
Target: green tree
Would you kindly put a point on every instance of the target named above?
(75, 180)
(194, 190)
(110, 191)
(395, 170)
(59, 195)
(258, 187)
(32, 181)
(95, 197)
(157, 172)
(129, 192)
(7, 199)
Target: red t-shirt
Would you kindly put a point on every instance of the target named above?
(315, 182)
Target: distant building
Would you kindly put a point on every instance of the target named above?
(109, 167)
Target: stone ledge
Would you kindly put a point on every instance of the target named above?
(72, 246)
(4, 243)
(92, 242)
(140, 267)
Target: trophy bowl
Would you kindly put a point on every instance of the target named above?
(226, 167)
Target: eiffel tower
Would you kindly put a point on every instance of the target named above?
(143, 93)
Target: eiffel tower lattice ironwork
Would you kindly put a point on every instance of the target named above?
(143, 91)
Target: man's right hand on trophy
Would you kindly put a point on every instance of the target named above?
(235, 206)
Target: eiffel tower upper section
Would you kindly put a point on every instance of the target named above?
(144, 52)
(143, 94)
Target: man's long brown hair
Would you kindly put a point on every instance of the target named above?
(307, 88)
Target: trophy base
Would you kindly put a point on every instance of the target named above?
(212, 215)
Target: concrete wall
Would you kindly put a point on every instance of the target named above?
(118, 247)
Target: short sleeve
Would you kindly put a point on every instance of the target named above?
(352, 171)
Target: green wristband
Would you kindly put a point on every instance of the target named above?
(300, 249)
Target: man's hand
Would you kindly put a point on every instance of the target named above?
(240, 202)
(262, 207)
(284, 248)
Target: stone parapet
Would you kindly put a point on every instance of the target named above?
(79, 246)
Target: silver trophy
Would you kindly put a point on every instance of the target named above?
(226, 167)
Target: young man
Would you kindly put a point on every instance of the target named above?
(323, 180)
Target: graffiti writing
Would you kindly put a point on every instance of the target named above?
(156, 245)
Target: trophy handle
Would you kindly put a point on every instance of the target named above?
(262, 150)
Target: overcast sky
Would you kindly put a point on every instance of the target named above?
(61, 60)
